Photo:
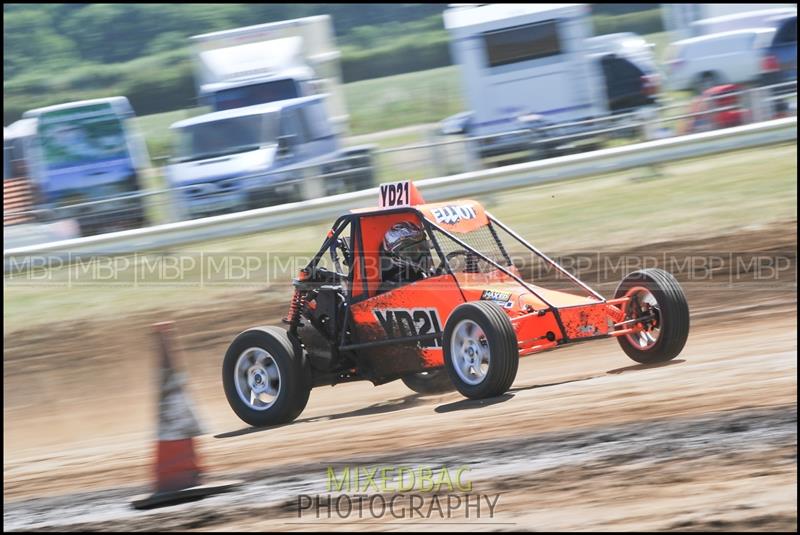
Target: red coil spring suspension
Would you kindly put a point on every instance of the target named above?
(298, 300)
(295, 308)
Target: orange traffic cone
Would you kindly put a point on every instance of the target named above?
(177, 468)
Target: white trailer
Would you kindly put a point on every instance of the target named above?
(270, 62)
(524, 60)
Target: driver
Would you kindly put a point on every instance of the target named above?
(405, 255)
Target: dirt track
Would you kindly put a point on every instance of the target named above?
(79, 408)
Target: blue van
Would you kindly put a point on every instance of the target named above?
(84, 152)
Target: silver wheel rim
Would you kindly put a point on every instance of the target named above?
(647, 337)
(469, 350)
(257, 378)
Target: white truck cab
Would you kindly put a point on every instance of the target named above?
(260, 155)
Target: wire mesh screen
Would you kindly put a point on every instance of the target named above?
(505, 250)
(483, 240)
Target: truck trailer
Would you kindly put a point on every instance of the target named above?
(534, 77)
(269, 63)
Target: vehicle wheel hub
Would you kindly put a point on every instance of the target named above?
(258, 378)
(643, 304)
(469, 352)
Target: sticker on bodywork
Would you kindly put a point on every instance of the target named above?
(494, 295)
(453, 213)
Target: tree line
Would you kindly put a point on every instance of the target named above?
(60, 52)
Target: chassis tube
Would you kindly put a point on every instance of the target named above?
(546, 258)
(495, 264)
(524, 352)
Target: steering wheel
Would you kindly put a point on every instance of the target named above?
(470, 260)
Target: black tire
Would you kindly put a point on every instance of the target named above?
(295, 383)
(429, 382)
(673, 315)
(705, 81)
(500, 340)
(363, 179)
(140, 221)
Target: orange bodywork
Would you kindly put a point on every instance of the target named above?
(533, 321)
(415, 314)
(418, 307)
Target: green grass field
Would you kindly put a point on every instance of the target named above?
(685, 199)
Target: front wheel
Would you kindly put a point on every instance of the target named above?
(480, 350)
(658, 300)
(265, 377)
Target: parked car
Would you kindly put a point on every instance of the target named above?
(257, 156)
(627, 86)
(780, 57)
(678, 19)
(734, 57)
(739, 21)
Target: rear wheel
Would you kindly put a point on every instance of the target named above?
(658, 300)
(360, 176)
(707, 80)
(265, 377)
(429, 382)
(480, 350)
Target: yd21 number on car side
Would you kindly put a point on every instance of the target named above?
(403, 322)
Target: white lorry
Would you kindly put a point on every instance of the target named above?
(275, 131)
(526, 68)
(270, 62)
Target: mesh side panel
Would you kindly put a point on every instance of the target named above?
(482, 240)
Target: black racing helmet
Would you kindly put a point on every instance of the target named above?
(405, 245)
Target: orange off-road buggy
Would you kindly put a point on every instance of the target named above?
(464, 326)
